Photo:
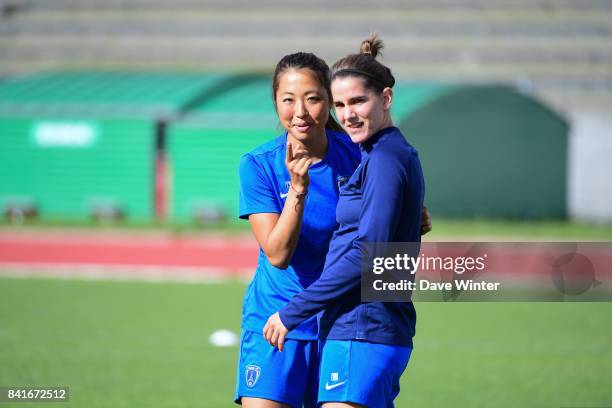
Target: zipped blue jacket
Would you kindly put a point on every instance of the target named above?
(381, 202)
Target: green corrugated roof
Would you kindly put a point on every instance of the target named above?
(103, 93)
(252, 95)
(247, 102)
(212, 98)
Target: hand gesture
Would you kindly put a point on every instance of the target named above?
(275, 331)
(297, 164)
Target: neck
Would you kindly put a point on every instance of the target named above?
(388, 122)
(315, 147)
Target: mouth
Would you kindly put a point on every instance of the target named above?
(356, 125)
(303, 128)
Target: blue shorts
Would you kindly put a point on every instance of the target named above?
(290, 377)
(361, 372)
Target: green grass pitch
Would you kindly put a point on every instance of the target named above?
(137, 344)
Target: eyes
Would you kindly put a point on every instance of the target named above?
(311, 100)
(353, 101)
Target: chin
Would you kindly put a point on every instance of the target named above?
(358, 137)
(299, 135)
(311, 134)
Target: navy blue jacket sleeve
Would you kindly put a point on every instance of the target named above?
(383, 191)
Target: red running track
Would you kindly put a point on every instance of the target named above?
(166, 256)
(201, 255)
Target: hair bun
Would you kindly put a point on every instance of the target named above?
(371, 45)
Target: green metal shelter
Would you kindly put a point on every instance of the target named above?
(486, 151)
(76, 141)
(169, 145)
(205, 147)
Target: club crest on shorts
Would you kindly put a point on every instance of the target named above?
(252, 375)
(341, 180)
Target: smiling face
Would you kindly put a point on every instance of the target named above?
(302, 104)
(361, 111)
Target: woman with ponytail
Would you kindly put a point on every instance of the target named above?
(365, 345)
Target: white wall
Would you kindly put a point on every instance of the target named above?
(590, 167)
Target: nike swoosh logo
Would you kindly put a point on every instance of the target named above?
(284, 195)
(332, 386)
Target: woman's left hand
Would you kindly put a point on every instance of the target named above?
(425, 221)
(275, 331)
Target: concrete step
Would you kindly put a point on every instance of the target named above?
(328, 4)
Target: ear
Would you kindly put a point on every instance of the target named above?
(387, 96)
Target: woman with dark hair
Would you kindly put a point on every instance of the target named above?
(365, 345)
(288, 192)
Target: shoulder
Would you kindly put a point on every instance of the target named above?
(269, 149)
(394, 146)
(265, 153)
(394, 153)
(344, 142)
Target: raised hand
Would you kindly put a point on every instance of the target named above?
(297, 164)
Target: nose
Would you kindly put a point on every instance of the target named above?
(300, 109)
(348, 112)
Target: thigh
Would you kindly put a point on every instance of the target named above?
(248, 402)
(361, 373)
(266, 375)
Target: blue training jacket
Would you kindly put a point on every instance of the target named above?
(382, 202)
